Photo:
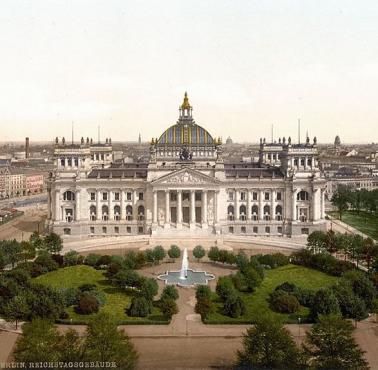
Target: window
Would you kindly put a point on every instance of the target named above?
(104, 196)
(116, 196)
(243, 211)
(128, 196)
(243, 196)
(140, 213)
(173, 197)
(69, 215)
(279, 229)
(91, 230)
(309, 162)
(302, 162)
(104, 230)
(140, 230)
(295, 162)
(105, 213)
(231, 229)
(279, 213)
(302, 195)
(116, 230)
(93, 196)
(266, 213)
(117, 212)
(254, 195)
(92, 213)
(198, 196)
(129, 213)
(255, 229)
(267, 229)
(140, 196)
(67, 231)
(266, 196)
(69, 195)
(279, 196)
(243, 229)
(76, 162)
(231, 195)
(128, 229)
(230, 212)
(305, 230)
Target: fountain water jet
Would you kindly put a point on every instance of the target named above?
(184, 265)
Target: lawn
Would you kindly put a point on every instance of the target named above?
(116, 299)
(363, 221)
(257, 302)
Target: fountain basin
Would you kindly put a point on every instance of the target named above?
(191, 279)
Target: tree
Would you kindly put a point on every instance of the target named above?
(127, 278)
(203, 291)
(331, 346)
(340, 199)
(71, 347)
(199, 252)
(224, 287)
(12, 250)
(150, 256)
(16, 309)
(39, 342)
(53, 243)
(284, 302)
(324, 303)
(27, 251)
(159, 253)
(204, 306)
(368, 251)
(105, 343)
(140, 307)
(241, 261)
(35, 240)
(169, 291)
(88, 304)
(331, 241)
(213, 254)
(269, 345)
(149, 288)
(252, 278)
(71, 258)
(174, 252)
(316, 241)
(91, 259)
(168, 307)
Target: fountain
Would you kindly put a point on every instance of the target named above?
(186, 277)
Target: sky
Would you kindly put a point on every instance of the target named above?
(246, 65)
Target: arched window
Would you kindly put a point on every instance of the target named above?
(242, 212)
(92, 213)
(140, 213)
(129, 213)
(68, 195)
(105, 213)
(279, 213)
(267, 213)
(230, 212)
(255, 211)
(117, 213)
(303, 195)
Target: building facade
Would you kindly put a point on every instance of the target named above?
(186, 188)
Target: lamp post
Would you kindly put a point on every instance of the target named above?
(299, 327)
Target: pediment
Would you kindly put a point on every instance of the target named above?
(185, 176)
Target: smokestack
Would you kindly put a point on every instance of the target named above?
(27, 148)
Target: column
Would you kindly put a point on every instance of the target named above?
(314, 205)
(249, 213)
(57, 205)
(192, 209)
(111, 209)
(273, 205)
(167, 210)
(204, 209)
(155, 207)
(179, 209)
(77, 210)
(237, 195)
(322, 213)
(261, 206)
(135, 208)
(98, 208)
(122, 205)
(294, 206)
(216, 218)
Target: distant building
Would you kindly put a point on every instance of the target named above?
(229, 141)
(337, 142)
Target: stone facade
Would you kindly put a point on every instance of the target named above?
(186, 188)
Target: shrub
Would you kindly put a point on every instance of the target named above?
(33, 268)
(203, 291)
(225, 287)
(70, 296)
(168, 307)
(273, 260)
(104, 260)
(239, 282)
(140, 307)
(46, 261)
(113, 268)
(233, 305)
(91, 259)
(305, 296)
(324, 303)
(287, 287)
(133, 260)
(87, 304)
(87, 288)
(127, 278)
(213, 254)
(159, 253)
(59, 259)
(252, 278)
(204, 307)
(283, 302)
(149, 288)
(169, 292)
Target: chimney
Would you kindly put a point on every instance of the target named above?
(27, 148)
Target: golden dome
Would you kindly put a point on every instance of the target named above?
(185, 104)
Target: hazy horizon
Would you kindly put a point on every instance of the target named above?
(125, 65)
